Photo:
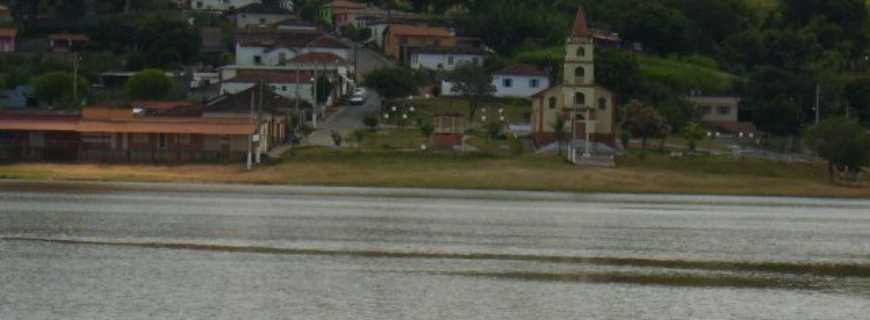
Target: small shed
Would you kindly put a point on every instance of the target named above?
(449, 130)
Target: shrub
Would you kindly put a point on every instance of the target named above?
(371, 122)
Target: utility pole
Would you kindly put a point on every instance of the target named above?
(251, 137)
(76, 78)
(818, 106)
(316, 101)
(257, 123)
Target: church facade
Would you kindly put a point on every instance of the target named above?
(578, 90)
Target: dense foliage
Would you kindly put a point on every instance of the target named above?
(149, 84)
(842, 142)
(394, 83)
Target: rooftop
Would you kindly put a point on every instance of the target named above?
(240, 103)
(285, 39)
(268, 7)
(319, 58)
(452, 50)
(411, 30)
(581, 29)
(8, 32)
(345, 4)
(254, 76)
(69, 36)
(522, 70)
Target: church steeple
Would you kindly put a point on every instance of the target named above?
(581, 29)
(580, 54)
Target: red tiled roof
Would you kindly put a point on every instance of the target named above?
(522, 70)
(345, 4)
(8, 32)
(285, 39)
(253, 76)
(319, 57)
(180, 126)
(38, 122)
(581, 29)
(407, 30)
(69, 36)
(162, 105)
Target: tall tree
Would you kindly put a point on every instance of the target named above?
(473, 83)
(844, 143)
(150, 84)
(644, 122)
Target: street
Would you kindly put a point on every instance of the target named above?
(174, 251)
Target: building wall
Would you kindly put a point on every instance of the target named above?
(220, 5)
(717, 109)
(394, 43)
(287, 90)
(243, 20)
(7, 44)
(544, 116)
(442, 61)
(521, 86)
(378, 33)
(246, 56)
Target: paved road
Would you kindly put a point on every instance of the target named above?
(348, 119)
(142, 251)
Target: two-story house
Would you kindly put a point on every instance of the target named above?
(401, 38)
(260, 14)
(444, 59)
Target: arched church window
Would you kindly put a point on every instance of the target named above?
(580, 99)
(581, 52)
(580, 73)
(602, 103)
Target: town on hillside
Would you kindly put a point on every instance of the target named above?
(589, 83)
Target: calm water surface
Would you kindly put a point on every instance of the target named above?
(127, 251)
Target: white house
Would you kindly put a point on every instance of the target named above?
(278, 48)
(445, 59)
(289, 84)
(260, 14)
(517, 81)
(220, 5)
(520, 81)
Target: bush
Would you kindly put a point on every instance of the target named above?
(426, 128)
(150, 84)
(57, 87)
(493, 129)
(371, 122)
(337, 139)
(357, 137)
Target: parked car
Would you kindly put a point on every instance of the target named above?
(358, 99)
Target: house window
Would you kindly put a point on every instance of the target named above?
(507, 83)
(553, 103)
(450, 60)
(707, 109)
(602, 104)
(184, 139)
(580, 73)
(579, 99)
(258, 60)
(581, 52)
(723, 110)
(533, 83)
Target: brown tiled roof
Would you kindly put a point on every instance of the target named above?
(522, 70)
(285, 39)
(69, 36)
(319, 57)
(448, 50)
(581, 29)
(409, 30)
(38, 122)
(240, 103)
(269, 76)
(735, 127)
(345, 4)
(176, 126)
(8, 32)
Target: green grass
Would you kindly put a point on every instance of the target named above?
(685, 73)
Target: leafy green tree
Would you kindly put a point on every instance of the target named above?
(57, 87)
(473, 83)
(619, 71)
(426, 128)
(844, 143)
(858, 97)
(643, 121)
(149, 84)
(694, 133)
(493, 129)
(394, 83)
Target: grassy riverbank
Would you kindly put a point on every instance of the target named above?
(321, 166)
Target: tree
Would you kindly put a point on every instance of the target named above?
(643, 121)
(693, 133)
(426, 128)
(149, 84)
(493, 129)
(858, 97)
(57, 87)
(473, 83)
(844, 143)
(393, 83)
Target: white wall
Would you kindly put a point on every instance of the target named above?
(521, 86)
(378, 33)
(245, 55)
(432, 61)
(244, 20)
(287, 90)
(219, 4)
(519, 89)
